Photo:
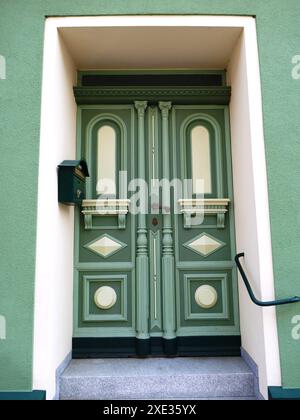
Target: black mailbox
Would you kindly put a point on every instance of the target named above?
(71, 181)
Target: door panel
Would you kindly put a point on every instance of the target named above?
(160, 281)
(105, 248)
(204, 253)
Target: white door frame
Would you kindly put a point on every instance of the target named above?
(55, 224)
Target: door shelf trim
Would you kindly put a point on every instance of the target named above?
(215, 206)
(102, 208)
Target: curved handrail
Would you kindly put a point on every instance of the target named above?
(288, 301)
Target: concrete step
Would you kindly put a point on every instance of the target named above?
(157, 379)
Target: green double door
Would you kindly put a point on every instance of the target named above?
(154, 240)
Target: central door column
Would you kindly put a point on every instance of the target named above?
(142, 259)
(168, 275)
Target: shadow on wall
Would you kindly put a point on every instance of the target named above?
(2, 328)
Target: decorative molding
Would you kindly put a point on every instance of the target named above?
(215, 206)
(153, 144)
(105, 266)
(206, 296)
(204, 279)
(205, 265)
(105, 207)
(155, 284)
(141, 107)
(165, 108)
(108, 207)
(105, 297)
(142, 259)
(219, 244)
(168, 260)
(177, 94)
(105, 280)
(96, 332)
(119, 246)
(208, 331)
(129, 78)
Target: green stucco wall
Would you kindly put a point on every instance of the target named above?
(21, 43)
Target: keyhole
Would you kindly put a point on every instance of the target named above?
(154, 221)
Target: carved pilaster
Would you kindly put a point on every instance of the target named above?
(168, 273)
(141, 107)
(165, 108)
(142, 260)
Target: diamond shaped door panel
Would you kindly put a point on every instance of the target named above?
(105, 246)
(204, 244)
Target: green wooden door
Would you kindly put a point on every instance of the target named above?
(154, 251)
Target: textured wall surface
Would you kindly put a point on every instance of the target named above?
(21, 43)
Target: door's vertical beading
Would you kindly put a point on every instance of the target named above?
(142, 259)
(168, 275)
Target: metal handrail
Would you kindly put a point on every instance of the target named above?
(288, 301)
